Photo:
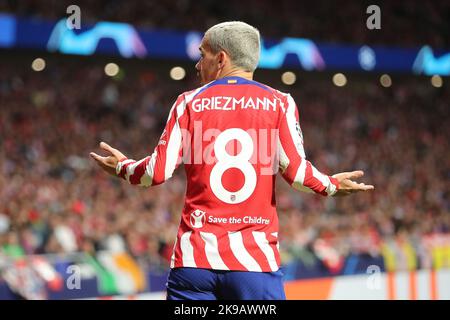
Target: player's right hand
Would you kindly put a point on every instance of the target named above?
(348, 186)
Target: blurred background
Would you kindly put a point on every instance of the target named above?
(371, 99)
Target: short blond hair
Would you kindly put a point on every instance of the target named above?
(240, 40)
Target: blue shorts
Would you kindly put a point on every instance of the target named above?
(205, 284)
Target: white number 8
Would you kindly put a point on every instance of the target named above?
(239, 161)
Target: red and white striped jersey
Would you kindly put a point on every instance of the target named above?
(232, 136)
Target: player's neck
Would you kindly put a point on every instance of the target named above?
(236, 73)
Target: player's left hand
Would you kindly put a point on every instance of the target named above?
(108, 163)
(347, 185)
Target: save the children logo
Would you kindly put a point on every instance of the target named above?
(198, 218)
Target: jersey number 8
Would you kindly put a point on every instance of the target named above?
(226, 161)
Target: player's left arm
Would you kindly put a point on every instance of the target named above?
(155, 168)
(295, 168)
(299, 172)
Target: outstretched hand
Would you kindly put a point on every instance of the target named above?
(348, 186)
(108, 163)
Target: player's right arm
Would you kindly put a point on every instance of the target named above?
(298, 171)
(155, 168)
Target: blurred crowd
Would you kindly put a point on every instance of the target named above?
(53, 197)
(403, 22)
(400, 137)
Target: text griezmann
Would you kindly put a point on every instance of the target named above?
(230, 104)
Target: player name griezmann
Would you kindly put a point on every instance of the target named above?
(231, 103)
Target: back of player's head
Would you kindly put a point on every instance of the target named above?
(239, 40)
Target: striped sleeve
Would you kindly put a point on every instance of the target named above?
(160, 165)
(294, 167)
